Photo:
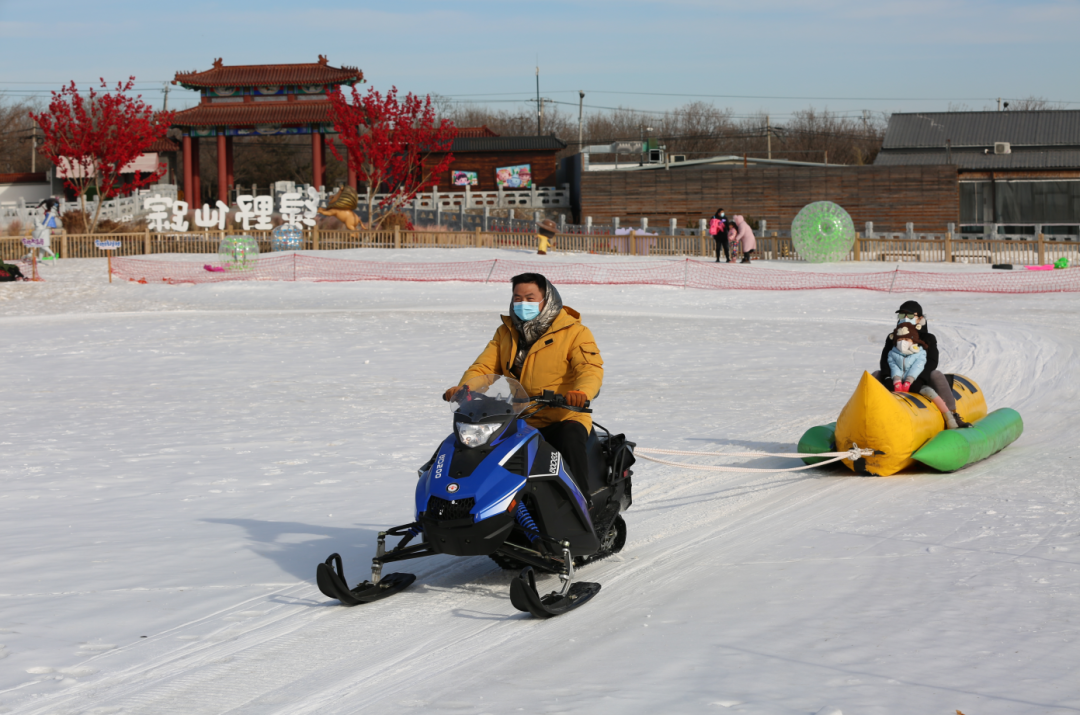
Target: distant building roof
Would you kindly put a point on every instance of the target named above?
(252, 113)
(163, 145)
(269, 75)
(1018, 159)
(475, 132)
(24, 178)
(713, 161)
(1042, 128)
(497, 143)
(1041, 139)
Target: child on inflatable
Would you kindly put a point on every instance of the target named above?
(907, 359)
(913, 375)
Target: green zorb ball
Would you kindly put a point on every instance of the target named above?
(823, 232)
(238, 253)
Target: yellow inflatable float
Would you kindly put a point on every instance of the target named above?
(897, 424)
(903, 428)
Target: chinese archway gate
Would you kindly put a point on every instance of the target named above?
(258, 100)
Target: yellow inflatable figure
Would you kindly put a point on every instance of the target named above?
(545, 235)
(897, 424)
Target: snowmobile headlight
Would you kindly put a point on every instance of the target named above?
(474, 435)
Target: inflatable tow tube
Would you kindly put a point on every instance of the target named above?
(903, 428)
(953, 449)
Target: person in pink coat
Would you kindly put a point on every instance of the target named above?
(739, 230)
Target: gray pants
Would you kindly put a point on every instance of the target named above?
(939, 387)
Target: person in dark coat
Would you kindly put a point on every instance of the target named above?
(931, 383)
(718, 228)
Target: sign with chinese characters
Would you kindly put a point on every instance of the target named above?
(514, 177)
(252, 212)
(107, 244)
(34, 242)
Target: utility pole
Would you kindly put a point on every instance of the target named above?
(768, 135)
(999, 104)
(580, 125)
(539, 130)
(165, 91)
(33, 147)
(538, 108)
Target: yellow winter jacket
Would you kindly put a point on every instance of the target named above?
(564, 358)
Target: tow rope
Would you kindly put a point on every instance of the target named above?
(854, 453)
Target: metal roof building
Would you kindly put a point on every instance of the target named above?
(983, 141)
(1018, 167)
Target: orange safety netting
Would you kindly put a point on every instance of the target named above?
(684, 274)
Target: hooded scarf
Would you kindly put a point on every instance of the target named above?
(529, 331)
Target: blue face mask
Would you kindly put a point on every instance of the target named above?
(526, 311)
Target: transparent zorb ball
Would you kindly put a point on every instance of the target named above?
(286, 237)
(238, 253)
(822, 232)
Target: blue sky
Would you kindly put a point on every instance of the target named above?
(775, 56)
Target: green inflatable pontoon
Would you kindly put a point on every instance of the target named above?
(952, 449)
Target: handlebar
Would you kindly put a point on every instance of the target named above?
(547, 399)
(550, 399)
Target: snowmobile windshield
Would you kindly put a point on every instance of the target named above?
(489, 398)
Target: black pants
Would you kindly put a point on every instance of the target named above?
(746, 255)
(569, 438)
(722, 241)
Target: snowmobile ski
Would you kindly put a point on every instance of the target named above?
(330, 577)
(524, 596)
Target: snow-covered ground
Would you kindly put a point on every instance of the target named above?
(175, 460)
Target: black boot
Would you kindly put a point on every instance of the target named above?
(960, 423)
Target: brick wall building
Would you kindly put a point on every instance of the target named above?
(928, 196)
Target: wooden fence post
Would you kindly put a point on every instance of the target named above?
(1042, 249)
(397, 236)
(856, 248)
(146, 242)
(948, 247)
(315, 238)
(476, 237)
(64, 244)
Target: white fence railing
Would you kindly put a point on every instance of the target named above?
(121, 209)
(532, 198)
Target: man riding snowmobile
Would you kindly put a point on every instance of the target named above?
(544, 345)
(524, 478)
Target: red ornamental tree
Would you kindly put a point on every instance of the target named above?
(96, 134)
(389, 142)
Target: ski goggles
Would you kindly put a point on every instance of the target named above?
(907, 316)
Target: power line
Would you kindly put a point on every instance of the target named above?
(755, 96)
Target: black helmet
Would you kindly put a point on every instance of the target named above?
(910, 306)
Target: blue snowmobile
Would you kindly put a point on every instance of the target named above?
(495, 488)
